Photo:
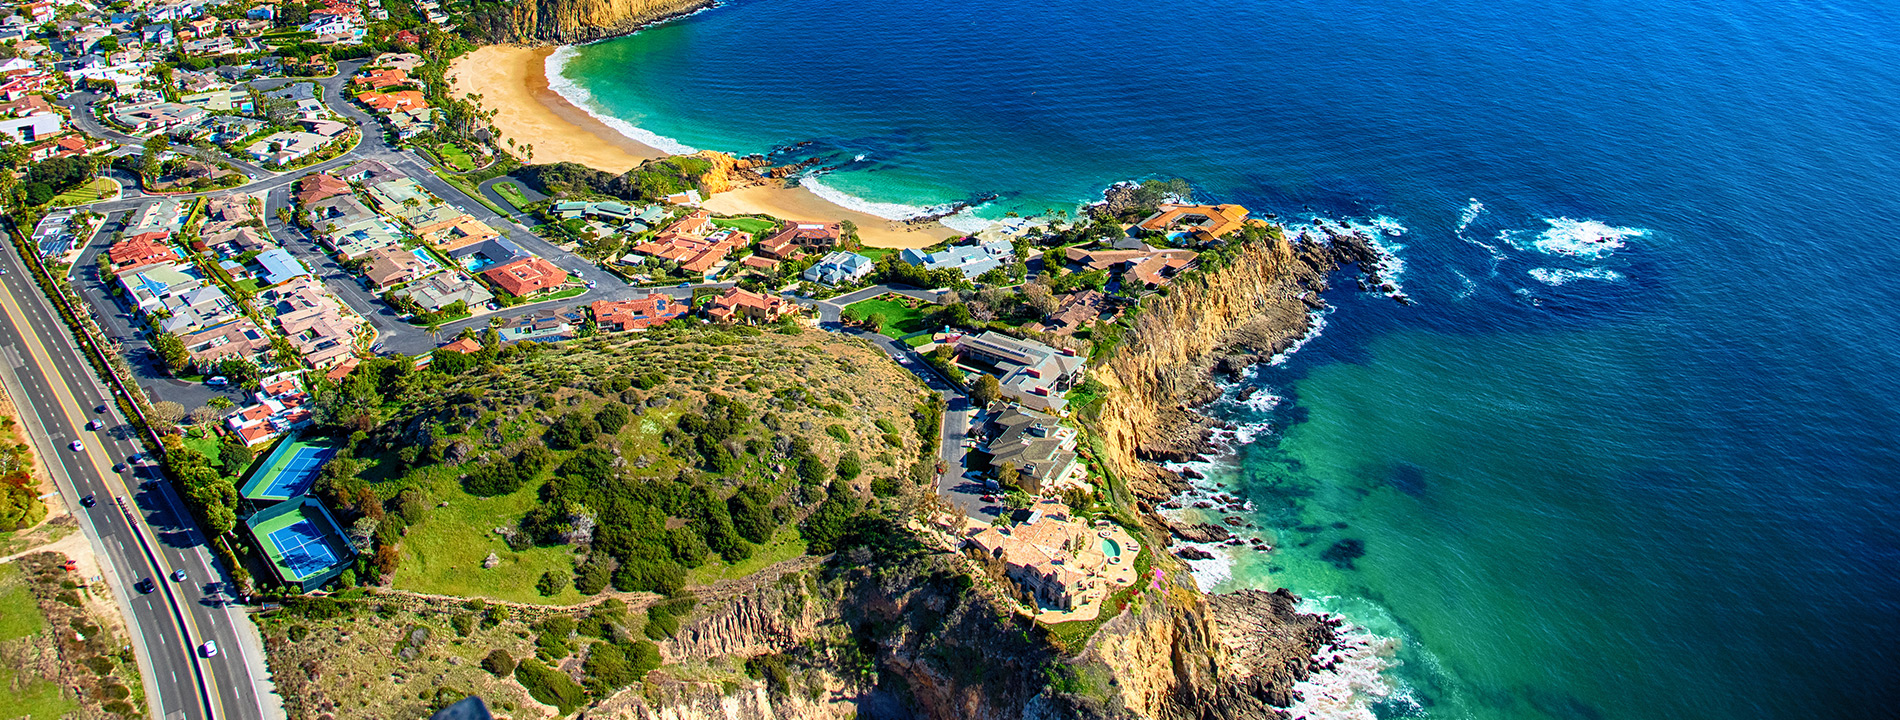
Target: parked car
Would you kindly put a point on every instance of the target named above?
(218, 381)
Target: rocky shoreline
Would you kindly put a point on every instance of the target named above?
(1177, 357)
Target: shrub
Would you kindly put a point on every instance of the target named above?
(883, 487)
(498, 663)
(297, 633)
(463, 623)
(613, 417)
(548, 686)
(572, 431)
(849, 465)
(549, 585)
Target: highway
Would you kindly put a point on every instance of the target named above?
(150, 536)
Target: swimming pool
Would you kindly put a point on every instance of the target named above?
(1111, 548)
(425, 257)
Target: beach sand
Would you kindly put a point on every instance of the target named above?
(513, 81)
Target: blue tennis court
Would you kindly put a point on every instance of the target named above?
(299, 471)
(302, 548)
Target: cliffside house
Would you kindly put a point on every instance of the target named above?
(1074, 311)
(1056, 558)
(1146, 267)
(1030, 372)
(1036, 447)
(1203, 223)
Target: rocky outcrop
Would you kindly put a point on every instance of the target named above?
(1181, 655)
(773, 613)
(666, 698)
(542, 22)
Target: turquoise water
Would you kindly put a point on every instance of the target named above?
(1632, 453)
(1111, 548)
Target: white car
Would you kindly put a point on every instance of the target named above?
(77, 446)
(210, 648)
(219, 381)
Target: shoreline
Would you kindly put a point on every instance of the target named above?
(513, 82)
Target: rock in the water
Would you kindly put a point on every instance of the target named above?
(1202, 533)
(1193, 553)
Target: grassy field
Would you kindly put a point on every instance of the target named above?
(98, 189)
(206, 445)
(898, 320)
(785, 545)
(28, 696)
(444, 554)
(746, 224)
(456, 157)
(508, 191)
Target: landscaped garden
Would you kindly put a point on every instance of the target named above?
(746, 224)
(897, 315)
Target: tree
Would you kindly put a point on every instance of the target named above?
(204, 415)
(613, 417)
(234, 455)
(572, 431)
(985, 390)
(167, 412)
(172, 351)
(1038, 296)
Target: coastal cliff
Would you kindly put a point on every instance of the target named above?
(1258, 303)
(560, 22)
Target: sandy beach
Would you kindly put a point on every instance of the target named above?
(513, 81)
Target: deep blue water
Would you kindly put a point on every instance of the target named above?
(1664, 487)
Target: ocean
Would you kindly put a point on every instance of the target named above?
(1634, 451)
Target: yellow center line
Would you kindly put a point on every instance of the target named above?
(76, 415)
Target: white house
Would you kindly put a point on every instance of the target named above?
(32, 128)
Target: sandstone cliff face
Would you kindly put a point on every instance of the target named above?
(542, 22)
(1164, 366)
(1181, 655)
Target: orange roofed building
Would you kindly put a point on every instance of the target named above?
(743, 305)
(141, 250)
(464, 345)
(526, 276)
(638, 313)
(1205, 222)
(389, 102)
(694, 242)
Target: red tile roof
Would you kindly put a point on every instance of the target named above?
(637, 313)
(140, 250)
(739, 302)
(318, 186)
(526, 276)
(463, 345)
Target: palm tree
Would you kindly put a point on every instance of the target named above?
(435, 330)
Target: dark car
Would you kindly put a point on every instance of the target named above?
(119, 467)
(145, 586)
(89, 501)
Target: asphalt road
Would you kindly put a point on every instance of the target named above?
(150, 537)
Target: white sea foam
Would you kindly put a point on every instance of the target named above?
(967, 222)
(581, 98)
(1354, 679)
(1380, 233)
(1316, 323)
(1575, 238)
(1559, 276)
(964, 220)
(1466, 286)
(1471, 213)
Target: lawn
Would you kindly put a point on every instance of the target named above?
(248, 285)
(898, 320)
(19, 613)
(456, 157)
(98, 189)
(444, 553)
(785, 545)
(561, 294)
(508, 191)
(746, 224)
(206, 445)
